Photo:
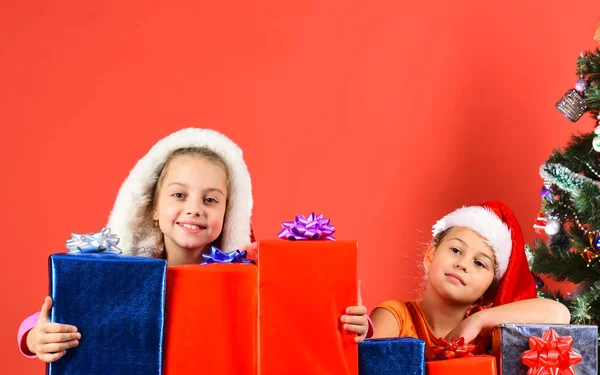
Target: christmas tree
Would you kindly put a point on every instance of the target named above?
(570, 210)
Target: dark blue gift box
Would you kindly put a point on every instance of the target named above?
(117, 303)
(511, 340)
(398, 356)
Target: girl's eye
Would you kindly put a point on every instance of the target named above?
(479, 263)
(455, 250)
(210, 200)
(178, 195)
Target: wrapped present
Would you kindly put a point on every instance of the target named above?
(305, 285)
(452, 349)
(115, 301)
(400, 356)
(211, 316)
(456, 357)
(479, 364)
(542, 348)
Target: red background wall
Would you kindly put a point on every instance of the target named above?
(384, 115)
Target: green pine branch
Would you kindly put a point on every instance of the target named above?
(587, 205)
(558, 207)
(579, 240)
(578, 151)
(585, 307)
(562, 265)
(592, 99)
(588, 66)
(588, 63)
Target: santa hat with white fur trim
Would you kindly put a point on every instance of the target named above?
(496, 222)
(129, 219)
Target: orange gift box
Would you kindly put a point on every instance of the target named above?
(304, 289)
(210, 320)
(479, 364)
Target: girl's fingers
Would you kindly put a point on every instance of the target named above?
(360, 330)
(45, 310)
(58, 347)
(57, 328)
(352, 319)
(359, 297)
(51, 357)
(53, 338)
(356, 310)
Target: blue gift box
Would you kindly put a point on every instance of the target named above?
(117, 303)
(511, 340)
(398, 356)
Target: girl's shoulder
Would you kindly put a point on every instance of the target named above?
(399, 307)
(407, 313)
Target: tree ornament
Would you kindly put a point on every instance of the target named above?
(552, 227)
(540, 223)
(596, 144)
(546, 194)
(590, 253)
(596, 140)
(539, 283)
(572, 105)
(581, 85)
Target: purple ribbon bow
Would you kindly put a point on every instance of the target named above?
(312, 227)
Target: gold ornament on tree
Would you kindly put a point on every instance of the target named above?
(590, 253)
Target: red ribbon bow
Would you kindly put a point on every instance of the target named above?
(550, 355)
(452, 349)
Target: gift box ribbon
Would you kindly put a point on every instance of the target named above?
(218, 256)
(313, 227)
(550, 355)
(452, 349)
(100, 242)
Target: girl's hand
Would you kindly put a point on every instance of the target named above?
(356, 319)
(469, 328)
(49, 341)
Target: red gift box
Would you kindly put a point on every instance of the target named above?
(210, 321)
(304, 289)
(479, 364)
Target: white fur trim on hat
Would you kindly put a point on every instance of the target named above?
(487, 224)
(127, 216)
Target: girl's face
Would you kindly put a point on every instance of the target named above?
(191, 203)
(461, 267)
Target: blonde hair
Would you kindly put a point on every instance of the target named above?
(202, 152)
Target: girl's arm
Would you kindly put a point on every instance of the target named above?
(24, 329)
(384, 323)
(38, 337)
(535, 310)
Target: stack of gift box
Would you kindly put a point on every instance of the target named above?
(517, 349)
(542, 348)
(277, 313)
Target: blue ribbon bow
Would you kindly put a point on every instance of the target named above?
(218, 256)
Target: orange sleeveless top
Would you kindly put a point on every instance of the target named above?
(412, 323)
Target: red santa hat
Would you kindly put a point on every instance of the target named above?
(496, 222)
